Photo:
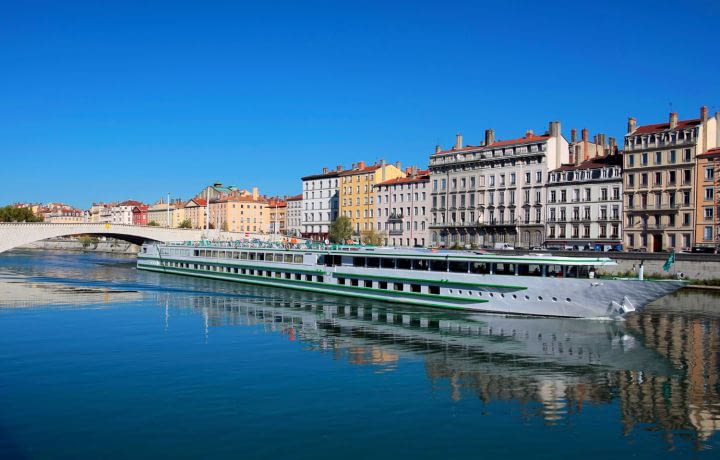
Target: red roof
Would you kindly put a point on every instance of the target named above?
(130, 203)
(521, 140)
(422, 176)
(366, 169)
(660, 127)
(198, 201)
(710, 154)
(594, 163)
(297, 197)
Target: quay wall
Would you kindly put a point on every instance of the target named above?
(67, 244)
(704, 267)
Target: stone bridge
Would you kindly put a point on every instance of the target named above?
(13, 234)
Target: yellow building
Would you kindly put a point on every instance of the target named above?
(357, 196)
(178, 214)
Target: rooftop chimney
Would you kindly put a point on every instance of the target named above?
(339, 168)
(255, 193)
(632, 124)
(325, 170)
(361, 165)
(703, 113)
(438, 149)
(529, 133)
(585, 134)
(458, 141)
(398, 165)
(554, 129)
(382, 170)
(573, 135)
(673, 120)
(489, 136)
(613, 145)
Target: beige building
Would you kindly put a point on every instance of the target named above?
(240, 214)
(403, 207)
(161, 214)
(662, 183)
(494, 192)
(294, 215)
(195, 212)
(277, 216)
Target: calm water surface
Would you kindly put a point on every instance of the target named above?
(98, 360)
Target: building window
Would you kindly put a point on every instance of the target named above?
(708, 233)
(658, 158)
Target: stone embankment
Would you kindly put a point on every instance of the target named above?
(701, 267)
(74, 244)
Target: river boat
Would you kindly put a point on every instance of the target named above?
(528, 284)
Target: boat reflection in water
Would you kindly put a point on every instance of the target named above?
(658, 367)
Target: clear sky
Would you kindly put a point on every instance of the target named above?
(104, 101)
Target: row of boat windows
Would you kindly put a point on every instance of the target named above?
(246, 271)
(453, 266)
(384, 285)
(245, 255)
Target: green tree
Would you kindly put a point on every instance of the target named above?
(152, 223)
(185, 224)
(13, 214)
(341, 230)
(373, 238)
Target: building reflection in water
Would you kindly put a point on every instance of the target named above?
(660, 367)
(689, 338)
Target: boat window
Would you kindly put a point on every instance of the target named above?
(555, 271)
(353, 282)
(382, 285)
(268, 273)
(504, 269)
(358, 261)
(260, 256)
(308, 277)
(298, 276)
(319, 279)
(415, 287)
(438, 265)
(584, 271)
(269, 257)
(571, 271)
(298, 258)
(236, 255)
(373, 262)
(420, 264)
(457, 266)
(341, 280)
(287, 276)
(251, 255)
(278, 274)
(387, 263)
(434, 289)
(530, 270)
(196, 252)
(368, 283)
(243, 256)
(480, 268)
(398, 286)
(221, 254)
(404, 264)
(331, 260)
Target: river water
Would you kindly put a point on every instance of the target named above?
(99, 360)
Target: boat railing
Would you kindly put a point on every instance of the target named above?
(258, 244)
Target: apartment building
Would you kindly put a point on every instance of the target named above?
(294, 215)
(196, 212)
(493, 192)
(403, 207)
(122, 213)
(277, 216)
(357, 192)
(707, 217)
(584, 198)
(320, 203)
(247, 213)
(662, 181)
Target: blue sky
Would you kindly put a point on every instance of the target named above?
(105, 101)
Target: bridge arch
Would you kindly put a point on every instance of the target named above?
(14, 234)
